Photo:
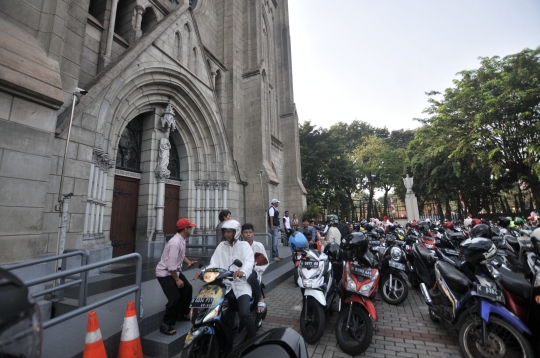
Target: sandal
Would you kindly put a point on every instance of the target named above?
(167, 329)
(261, 306)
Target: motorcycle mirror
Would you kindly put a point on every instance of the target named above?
(237, 263)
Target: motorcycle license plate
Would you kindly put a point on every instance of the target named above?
(309, 264)
(396, 265)
(489, 292)
(361, 271)
(451, 252)
(202, 302)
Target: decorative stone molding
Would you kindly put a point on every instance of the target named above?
(125, 173)
(276, 143)
(167, 121)
(199, 184)
(173, 182)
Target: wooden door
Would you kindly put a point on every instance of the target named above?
(171, 215)
(124, 215)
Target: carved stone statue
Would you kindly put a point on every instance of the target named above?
(408, 182)
(163, 158)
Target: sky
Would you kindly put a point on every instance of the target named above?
(374, 60)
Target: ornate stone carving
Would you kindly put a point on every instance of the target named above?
(225, 184)
(167, 121)
(126, 173)
(199, 184)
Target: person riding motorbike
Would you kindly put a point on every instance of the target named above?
(225, 254)
(332, 233)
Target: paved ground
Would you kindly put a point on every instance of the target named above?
(402, 331)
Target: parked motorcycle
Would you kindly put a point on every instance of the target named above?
(394, 271)
(354, 329)
(214, 331)
(488, 329)
(318, 287)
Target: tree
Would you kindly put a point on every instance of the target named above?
(496, 111)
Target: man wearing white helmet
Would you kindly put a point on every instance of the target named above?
(225, 254)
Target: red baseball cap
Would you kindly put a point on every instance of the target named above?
(184, 223)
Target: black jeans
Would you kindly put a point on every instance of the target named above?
(255, 287)
(178, 298)
(242, 304)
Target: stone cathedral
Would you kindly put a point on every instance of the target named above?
(173, 108)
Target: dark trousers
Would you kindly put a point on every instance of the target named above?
(178, 298)
(255, 287)
(242, 304)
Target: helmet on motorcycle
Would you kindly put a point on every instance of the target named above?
(481, 230)
(234, 226)
(423, 226)
(333, 252)
(390, 228)
(519, 221)
(20, 323)
(503, 222)
(369, 227)
(414, 223)
(297, 241)
(356, 243)
(478, 250)
(449, 225)
(476, 222)
(332, 220)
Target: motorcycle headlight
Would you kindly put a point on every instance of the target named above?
(308, 283)
(366, 289)
(190, 336)
(395, 252)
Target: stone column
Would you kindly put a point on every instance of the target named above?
(89, 196)
(225, 187)
(216, 186)
(109, 163)
(99, 153)
(139, 11)
(411, 203)
(207, 205)
(110, 34)
(97, 198)
(198, 186)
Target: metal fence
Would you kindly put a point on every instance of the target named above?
(83, 289)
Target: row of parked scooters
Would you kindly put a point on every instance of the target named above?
(482, 281)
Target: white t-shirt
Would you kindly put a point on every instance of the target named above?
(257, 247)
(287, 222)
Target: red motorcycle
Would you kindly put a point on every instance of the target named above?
(358, 287)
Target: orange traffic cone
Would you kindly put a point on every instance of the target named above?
(130, 342)
(93, 345)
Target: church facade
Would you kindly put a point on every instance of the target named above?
(172, 108)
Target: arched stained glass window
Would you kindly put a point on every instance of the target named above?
(128, 155)
(174, 161)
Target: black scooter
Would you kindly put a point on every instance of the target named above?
(277, 342)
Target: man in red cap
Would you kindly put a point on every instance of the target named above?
(169, 274)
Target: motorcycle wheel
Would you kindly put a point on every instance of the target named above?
(504, 340)
(312, 330)
(357, 339)
(200, 349)
(394, 292)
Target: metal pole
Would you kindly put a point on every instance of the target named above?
(60, 200)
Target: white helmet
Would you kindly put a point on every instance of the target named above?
(232, 225)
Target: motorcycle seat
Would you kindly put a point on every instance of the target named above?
(425, 254)
(511, 239)
(456, 280)
(515, 283)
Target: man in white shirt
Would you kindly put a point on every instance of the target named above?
(287, 224)
(260, 265)
(225, 254)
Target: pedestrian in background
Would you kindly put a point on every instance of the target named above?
(294, 223)
(273, 227)
(287, 225)
(223, 216)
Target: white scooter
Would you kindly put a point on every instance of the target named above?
(318, 287)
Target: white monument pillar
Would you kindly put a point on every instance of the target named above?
(161, 171)
(411, 203)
